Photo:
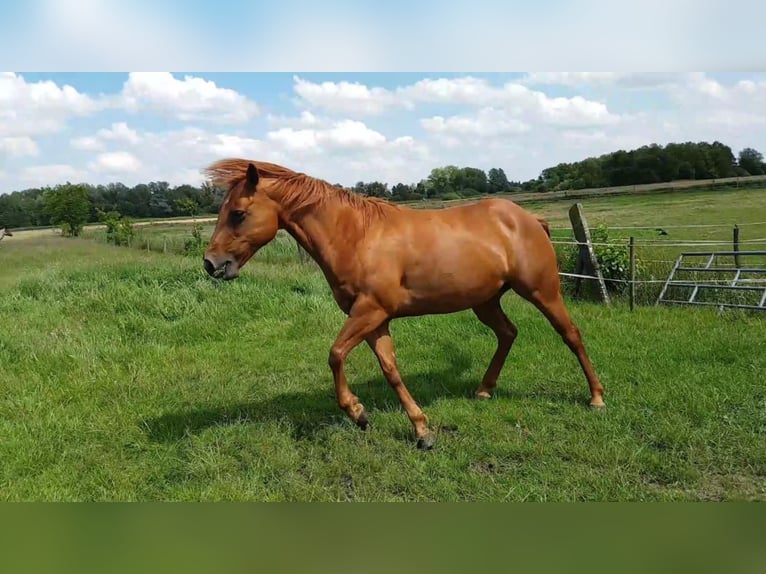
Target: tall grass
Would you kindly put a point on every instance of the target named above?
(132, 376)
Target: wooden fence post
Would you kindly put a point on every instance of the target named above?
(587, 261)
(736, 245)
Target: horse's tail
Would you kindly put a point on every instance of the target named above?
(545, 225)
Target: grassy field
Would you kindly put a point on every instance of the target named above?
(129, 375)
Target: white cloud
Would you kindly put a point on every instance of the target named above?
(120, 132)
(572, 112)
(222, 145)
(487, 122)
(305, 120)
(87, 143)
(352, 134)
(30, 109)
(51, 175)
(517, 100)
(296, 140)
(116, 162)
(18, 146)
(740, 106)
(191, 98)
(346, 97)
(467, 91)
(346, 134)
(343, 151)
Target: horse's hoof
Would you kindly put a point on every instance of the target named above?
(482, 395)
(427, 441)
(362, 422)
(598, 404)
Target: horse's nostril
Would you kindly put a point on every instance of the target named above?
(209, 267)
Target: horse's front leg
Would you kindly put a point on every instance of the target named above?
(364, 317)
(383, 346)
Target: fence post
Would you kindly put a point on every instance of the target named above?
(736, 246)
(587, 255)
(632, 272)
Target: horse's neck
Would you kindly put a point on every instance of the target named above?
(316, 231)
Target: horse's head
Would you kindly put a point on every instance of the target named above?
(5, 231)
(247, 220)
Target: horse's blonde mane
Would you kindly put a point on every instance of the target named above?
(298, 190)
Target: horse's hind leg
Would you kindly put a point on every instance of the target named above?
(383, 346)
(492, 315)
(549, 301)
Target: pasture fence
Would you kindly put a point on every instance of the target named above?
(646, 270)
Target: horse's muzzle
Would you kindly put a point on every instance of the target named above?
(226, 269)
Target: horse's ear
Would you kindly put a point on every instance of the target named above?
(252, 175)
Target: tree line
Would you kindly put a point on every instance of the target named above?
(648, 164)
(44, 206)
(652, 164)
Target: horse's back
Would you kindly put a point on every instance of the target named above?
(486, 214)
(519, 238)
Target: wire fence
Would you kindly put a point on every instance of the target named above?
(738, 277)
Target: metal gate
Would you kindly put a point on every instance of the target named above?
(735, 284)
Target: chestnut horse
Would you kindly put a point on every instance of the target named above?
(384, 261)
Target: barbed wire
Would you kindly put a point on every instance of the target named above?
(687, 226)
(673, 282)
(660, 242)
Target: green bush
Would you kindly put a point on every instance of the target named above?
(119, 230)
(195, 245)
(613, 259)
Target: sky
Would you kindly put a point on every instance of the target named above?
(338, 89)
(347, 127)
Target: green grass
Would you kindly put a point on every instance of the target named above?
(131, 376)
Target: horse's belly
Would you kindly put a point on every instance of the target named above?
(444, 287)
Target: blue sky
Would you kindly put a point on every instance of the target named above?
(345, 127)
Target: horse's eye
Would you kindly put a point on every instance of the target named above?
(237, 216)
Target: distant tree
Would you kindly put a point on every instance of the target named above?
(442, 181)
(371, 189)
(402, 192)
(211, 197)
(188, 206)
(377, 189)
(751, 160)
(471, 181)
(497, 182)
(69, 206)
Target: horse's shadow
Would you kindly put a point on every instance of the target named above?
(310, 411)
